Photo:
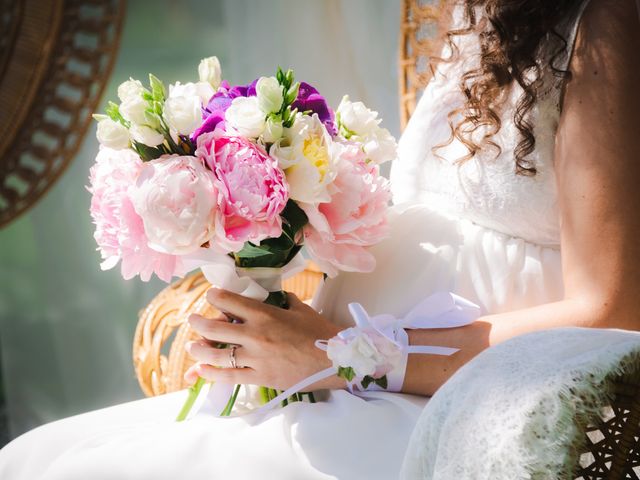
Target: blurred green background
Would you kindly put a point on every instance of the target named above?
(65, 326)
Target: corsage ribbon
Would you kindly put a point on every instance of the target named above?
(440, 310)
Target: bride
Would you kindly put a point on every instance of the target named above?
(516, 187)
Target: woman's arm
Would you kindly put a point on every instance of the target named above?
(597, 162)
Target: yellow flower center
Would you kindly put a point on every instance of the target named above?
(316, 152)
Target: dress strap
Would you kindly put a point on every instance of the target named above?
(572, 31)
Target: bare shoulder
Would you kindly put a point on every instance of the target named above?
(609, 34)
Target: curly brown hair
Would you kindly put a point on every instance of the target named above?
(511, 33)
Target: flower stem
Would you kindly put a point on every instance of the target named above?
(194, 391)
(232, 401)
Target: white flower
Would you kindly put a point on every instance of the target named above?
(209, 71)
(146, 135)
(355, 118)
(133, 108)
(308, 156)
(269, 93)
(359, 124)
(112, 134)
(273, 131)
(183, 114)
(365, 350)
(130, 89)
(183, 107)
(245, 116)
(203, 90)
(176, 198)
(380, 146)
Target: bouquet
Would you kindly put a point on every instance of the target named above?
(235, 180)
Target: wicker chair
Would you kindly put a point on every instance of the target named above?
(611, 448)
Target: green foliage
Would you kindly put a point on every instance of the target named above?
(147, 153)
(368, 380)
(113, 112)
(276, 252)
(158, 92)
(347, 373)
(290, 91)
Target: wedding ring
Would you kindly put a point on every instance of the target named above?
(232, 356)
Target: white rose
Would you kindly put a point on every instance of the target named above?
(176, 198)
(133, 108)
(380, 146)
(308, 156)
(245, 116)
(130, 89)
(209, 71)
(112, 134)
(269, 93)
(183, 114)
(203, 90)
(355, 118)
(272, 131)
(146, 135)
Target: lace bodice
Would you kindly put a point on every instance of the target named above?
(485, 189)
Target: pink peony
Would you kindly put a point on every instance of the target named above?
(119, 230)
(252, 188)
(339, 231)
(177, 200)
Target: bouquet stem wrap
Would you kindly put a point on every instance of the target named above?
(259, 283)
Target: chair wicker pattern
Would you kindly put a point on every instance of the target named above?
(55, 59)
(611, 449)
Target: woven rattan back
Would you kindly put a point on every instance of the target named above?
(612, 448)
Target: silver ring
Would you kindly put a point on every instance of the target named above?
(232, 356)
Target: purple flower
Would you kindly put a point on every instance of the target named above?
(213, 113)
(310, 99)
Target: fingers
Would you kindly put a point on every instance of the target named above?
(218, 330)
(221, 357)
(236, 305)
(222, 375)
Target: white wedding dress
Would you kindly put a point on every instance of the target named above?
(477, 230)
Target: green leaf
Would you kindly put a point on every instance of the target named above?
(347, 373)
(157, 88)
(249, 250)
(366, 381)
(146, 152)
(292, 94)
(280, 76)
(294, 217)
(382, 382)
(113, 111)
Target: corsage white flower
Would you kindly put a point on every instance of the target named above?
(209, 71)
(269, 93)
(360, 353)
(245, 116)
(308, 156)
(130, 89)
(112, 134)
(146, 135)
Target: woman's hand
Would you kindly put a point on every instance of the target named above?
(275, 346)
